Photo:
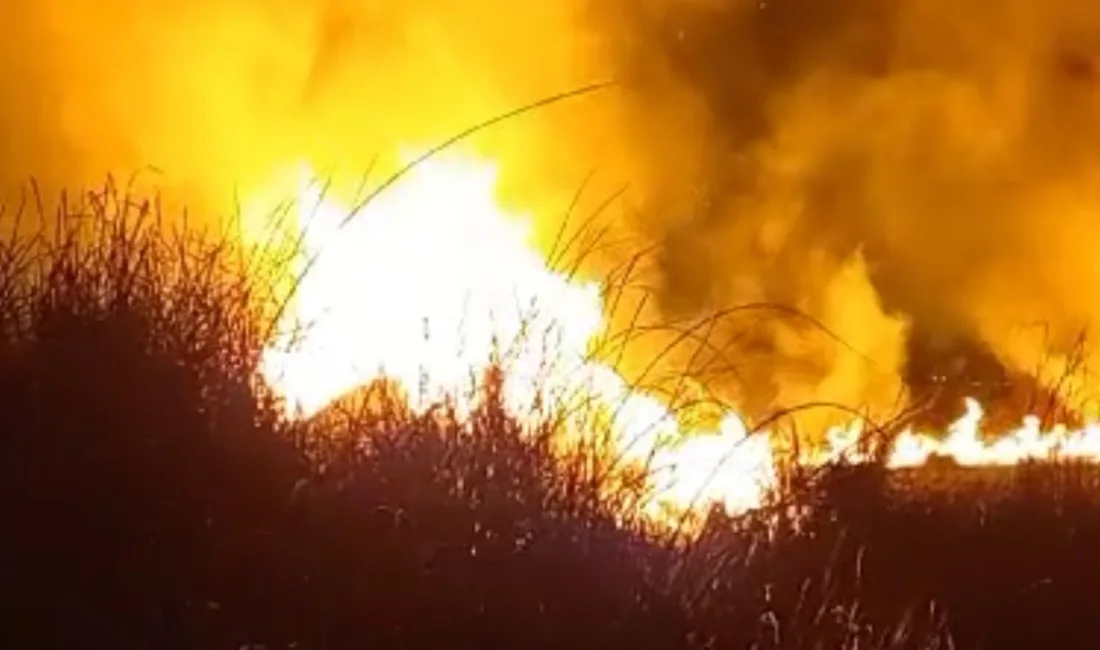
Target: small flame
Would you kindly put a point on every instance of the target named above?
(1027, 443)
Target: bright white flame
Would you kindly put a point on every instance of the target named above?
(1027, 443)
(432, 278)
(423, 285)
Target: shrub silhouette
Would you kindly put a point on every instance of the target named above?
(141, 471)
(155, 496)
(158, 498)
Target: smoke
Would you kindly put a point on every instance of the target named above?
(884, 167)
(888, 167)
(218, 97)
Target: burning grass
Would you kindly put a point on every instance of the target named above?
(155, 494)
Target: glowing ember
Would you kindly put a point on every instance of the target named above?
(431, 279)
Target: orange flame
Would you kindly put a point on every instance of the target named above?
(432, 277)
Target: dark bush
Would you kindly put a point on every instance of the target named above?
(155, 496)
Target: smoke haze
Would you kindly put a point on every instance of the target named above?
(896, 169)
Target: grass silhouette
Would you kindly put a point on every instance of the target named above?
(155, 496)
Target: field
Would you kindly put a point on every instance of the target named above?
(155, 496)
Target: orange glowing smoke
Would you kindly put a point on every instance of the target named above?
(432, 282)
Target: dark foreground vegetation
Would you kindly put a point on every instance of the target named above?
(153, 497)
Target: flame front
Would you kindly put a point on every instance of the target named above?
(432, 282)
(420, 286)
(1029, 442)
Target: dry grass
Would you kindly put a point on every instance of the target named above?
(154, 496)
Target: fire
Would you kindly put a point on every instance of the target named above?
(422, 286)
(432, 282)
(1029, 442)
